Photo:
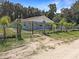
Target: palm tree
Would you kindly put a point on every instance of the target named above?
(4, 21)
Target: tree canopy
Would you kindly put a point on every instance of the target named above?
(13, 10)
(5, 20)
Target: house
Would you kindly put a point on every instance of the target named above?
(36, 23)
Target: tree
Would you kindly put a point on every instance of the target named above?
(19, 27)
(53, 25)
(57, 17)
(75, 8)
(4, 21)
(10, 9)
(67, 26)
(62, 23)
(68, 14)
(52, 11)
(71, 14)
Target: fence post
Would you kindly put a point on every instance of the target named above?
(44, 27)
(32, 27)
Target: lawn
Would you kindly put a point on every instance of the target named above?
(65, 36)
(12, 42)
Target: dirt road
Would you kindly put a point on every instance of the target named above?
(44, 49)
(68, 51)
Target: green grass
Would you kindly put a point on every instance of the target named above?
(26, 34)
(10, 44)
(9, 32)
(65, 36)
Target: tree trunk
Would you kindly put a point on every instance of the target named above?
(17, 30)
(4, 32)
(19, 27)
(43, 27)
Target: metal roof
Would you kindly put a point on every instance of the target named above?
(37, 19)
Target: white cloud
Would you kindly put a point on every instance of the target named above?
(58, 11)
(63, 4)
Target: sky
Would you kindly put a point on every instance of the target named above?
(43, 4)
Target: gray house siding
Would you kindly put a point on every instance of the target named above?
(35, 23)
(36, 26)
